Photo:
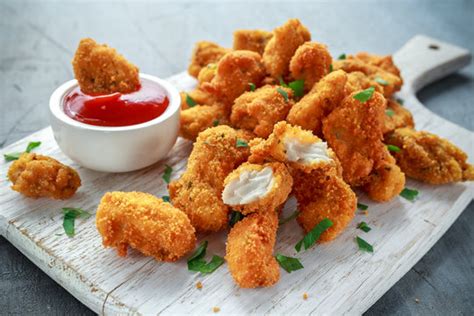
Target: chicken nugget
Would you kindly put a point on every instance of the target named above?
(257, 187)
(205, 53)
(253, 40)
(258, 111)
(145, 223)
(429, 158)
(384, 62)
(386, 181)
(99, 69)
(249, 251)
(198, 192)
(325, 96)
(200, 117)
(282, 46)
(311, 62)
(37, 176)
(207, 73)
(396, 116)
(357, 81)
(196, 97)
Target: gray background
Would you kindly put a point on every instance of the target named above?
(37, 42)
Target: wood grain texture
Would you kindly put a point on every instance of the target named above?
(346, 280)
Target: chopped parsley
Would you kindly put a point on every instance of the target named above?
(310, 239)
(197, 262)
(342, 57)
(331, 68)
(282, 82)
(215, 123)
(166, 198)
(289, 264)
(393, 148)
(365, 95)
(364, 227)
(363, 245)
(289, 218)
(409, 194)
(298, 87)
(400, 101)
(70, 215)
(16, 155)
(389, 112)
(235, 216)
(241, 143)
(167, 174)
(381, 81)
(189, 101)
(362, 207)
(283, 93)
(252, 86)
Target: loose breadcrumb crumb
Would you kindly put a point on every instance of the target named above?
(305, 296)
(216, 309)
(199, 285)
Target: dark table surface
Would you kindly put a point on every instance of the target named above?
(38, 39)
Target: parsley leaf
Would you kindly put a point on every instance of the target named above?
(389, 112)
(235, 216)
(365, 95)
(241, 143)
(215, 123)
(383, 82)
(167, 174)
(400, 101)
(16, 155)
(32, 145)
(197, 263)
(70, 215)
(331, 68)
(342, 56)
(298, 87)
(393, 148)
(363, 226)
(166, 198)
(314, 234)
(362, 207)
(363, 245)
(252, 86)
(282, 82)
(283, 93)
(409, 194)
(12, 156)
(289, 218)
(189, 101)
(290, 264)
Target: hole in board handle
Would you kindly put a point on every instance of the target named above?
(433, 47)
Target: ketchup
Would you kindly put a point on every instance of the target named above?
(117, 109)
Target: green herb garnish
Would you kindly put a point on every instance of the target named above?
(70, 215)
(252, 86)
(383, 82)
(389, 112)
(235, 216)
(342, 57)
(16, 156)
(365, 95)
(166, 198)
(393, 148)
(362, 207)
(290, 264)
(189, 101)
(400, 101)
(363, 226)
(363, 245)
(409, 194)
(283, 93)
(167, 174)
(289, 218)
(298, 87)
(241, 143)
(282, 82)
(197, 263)
(314, 234)
(331, 68)
(215, 123)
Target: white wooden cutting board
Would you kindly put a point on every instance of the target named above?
(338, 278)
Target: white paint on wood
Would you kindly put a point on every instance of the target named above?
(338, 278)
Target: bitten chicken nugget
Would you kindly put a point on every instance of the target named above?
(99, 69)
(325, 96)
(145, 223)
(259, 110)
(40, 176)
(200, 117)
(429, 158)
(249, 251)
(282, 46)
(384, 62)
(396, 116)
(311, 62)
(205, 53)
(254, 40)
(257, 187)
(198, 192)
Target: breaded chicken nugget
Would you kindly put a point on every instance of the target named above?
(199, 189)
(384, 62)
(429, 158)
(249, 251)
(386, 181)
(282, 46)
(207, 73)
(235, 71)
(145, 223)
(396, 116)
(99, 69)
(253, 40)
(357, 81)
(257, 187)
(325, 96)
(200, 117)
(205, 53)
(259, 110)
(311, 62)
(40, 176)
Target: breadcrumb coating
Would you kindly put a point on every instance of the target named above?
(145, 223)
(396, 116)
(282, 46)
(429, 158)
(205, 53)
(200, 117)
(99, 69)
(253, 40)
(199, 189)
(37, 176)
(259, 110)
(384, 62)
(357, 81)
(207, 73)
(249, 251)
(386, 181)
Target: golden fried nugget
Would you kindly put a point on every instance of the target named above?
(258, 111)
(384, 62)
(99, 69)
(282, 46)
(396, 116)
(386, 181)
(235, 71)
(249, 251)
(145, 223)
(325, 96)
(205, 53)
(357, 81)
(40, 176)
(253, 40)
(257, 187)
(429, 158)
(207, 73)
(200, 117)
(311, 62)
(198, 192)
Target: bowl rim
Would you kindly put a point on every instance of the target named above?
(57, 97)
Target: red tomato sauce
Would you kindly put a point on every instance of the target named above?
(117, 109)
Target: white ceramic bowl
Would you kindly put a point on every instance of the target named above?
(116, 149)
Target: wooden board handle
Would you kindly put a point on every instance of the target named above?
(423, 60)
